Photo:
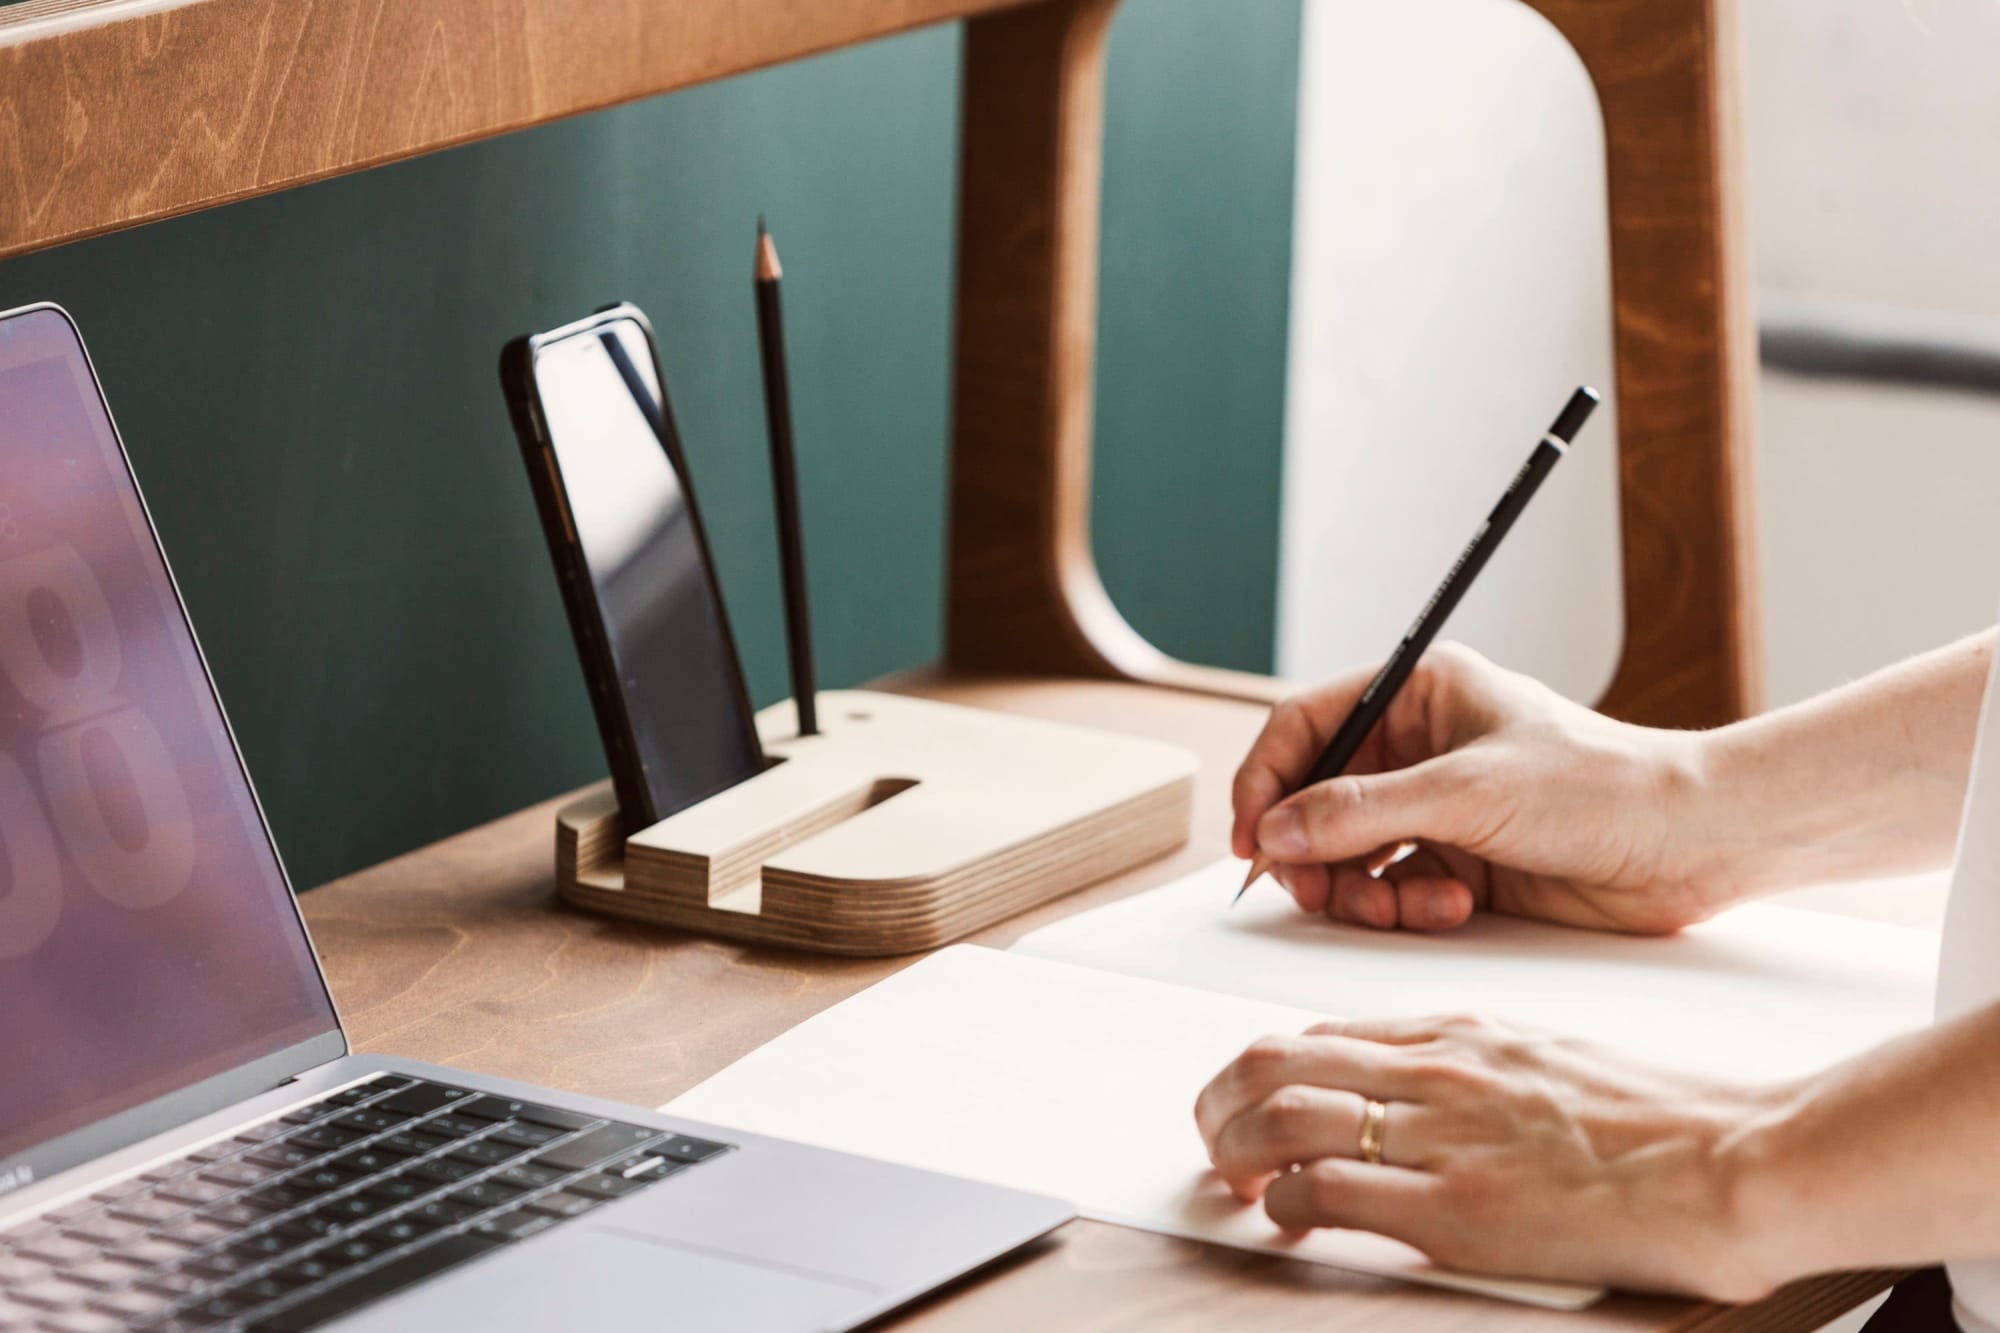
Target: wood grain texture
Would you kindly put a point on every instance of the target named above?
(461, 953)
(1666, 77)
(1024, 593)
(119, 113)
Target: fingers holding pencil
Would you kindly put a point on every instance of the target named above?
(1280, 833)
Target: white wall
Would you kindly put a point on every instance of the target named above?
(1450, 288)
(1450, 285)
(1874, 167)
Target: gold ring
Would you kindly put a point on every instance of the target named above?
(1374, 1115)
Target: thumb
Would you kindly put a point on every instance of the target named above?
(1347, 817)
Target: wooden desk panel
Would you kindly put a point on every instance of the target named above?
(116, 114)
(459, 953)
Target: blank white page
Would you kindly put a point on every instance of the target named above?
(1051, 1078)
(1760, 992)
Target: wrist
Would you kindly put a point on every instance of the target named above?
(1716, 1196)
(1702, 852)
(1740, 838)
(1768, 1215)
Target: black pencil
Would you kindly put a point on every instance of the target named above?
(785, 481)
(1381, 691)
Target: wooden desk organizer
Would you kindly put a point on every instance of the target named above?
(904, 825)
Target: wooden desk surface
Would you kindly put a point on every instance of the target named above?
(458, 953)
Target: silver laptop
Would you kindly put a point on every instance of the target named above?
(185, 1141)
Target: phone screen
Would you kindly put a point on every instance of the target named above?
(632, 520)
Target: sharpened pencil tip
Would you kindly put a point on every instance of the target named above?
(1259, 867)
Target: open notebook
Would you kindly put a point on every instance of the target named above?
(1071, 1064)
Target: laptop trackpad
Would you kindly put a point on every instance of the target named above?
(597, 1278)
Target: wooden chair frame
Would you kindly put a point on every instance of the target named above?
(118, 112)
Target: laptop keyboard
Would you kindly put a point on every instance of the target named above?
(303, 1218)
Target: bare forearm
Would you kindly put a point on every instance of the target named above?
(1891, 1159)
(1862, 781)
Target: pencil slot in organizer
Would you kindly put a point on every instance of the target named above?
(903, 825)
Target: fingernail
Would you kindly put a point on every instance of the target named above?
(1440, 909)
(1282, 833)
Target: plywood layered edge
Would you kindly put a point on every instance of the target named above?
(904, 825)
(127, 111)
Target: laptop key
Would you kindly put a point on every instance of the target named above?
(326, 1138)
(423, 1098)
(264, 1133)
(16, 1269)
(454, 1126)
(192, 1231)
(195, 1191)
(444, 1171)
(233, 1215)
(500, 1108)
(487, 1152)
(261, 1291)
(150, 1252)
(323, 1179)
(398, 1189)
(486, 1194)
(307, 1227)
(255, 1167)
(147, 1208)
(278, 1198)
(105, 1230)
(56, 1248)
(131, 1303)
(446, 1252)
(439, 1212)
(220, 1264)
(353, 1250)
(563, 1204)
(410, 1145)
(528, 1176)
(526, 1135)
(171, 1285)
(368, 1120)
(683, 1148)
(394, 1235)
(264, 1245)
(48, 1294)
(603, 1186)
(305, 1272)
(644, 1166)
(589, 1149)
(82, 1321)
(70, 1212)
(516, 1225)
(369, 1161)
(356, 1207)
(215, 1310)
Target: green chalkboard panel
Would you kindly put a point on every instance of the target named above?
(306, 384)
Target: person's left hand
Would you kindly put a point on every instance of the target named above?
(1503, 1152)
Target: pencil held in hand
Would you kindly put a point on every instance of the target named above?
(1382, 690)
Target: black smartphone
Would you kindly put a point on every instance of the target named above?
(610, 478)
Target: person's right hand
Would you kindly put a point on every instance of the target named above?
(1518, 801)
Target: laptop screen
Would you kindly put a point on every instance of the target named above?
(148, 939)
